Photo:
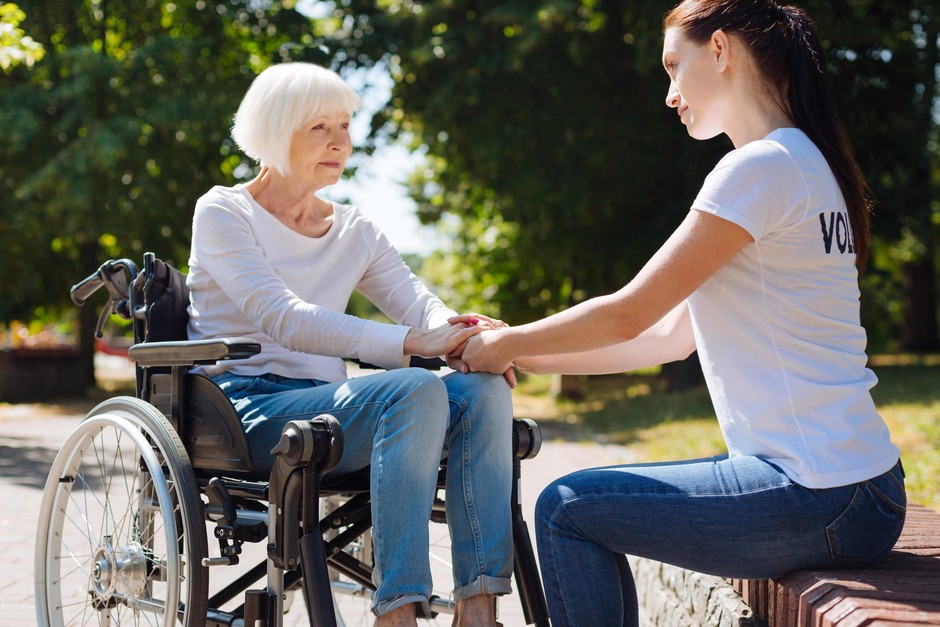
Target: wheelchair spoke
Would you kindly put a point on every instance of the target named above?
(114, 544)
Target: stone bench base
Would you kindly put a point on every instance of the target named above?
(675, 597)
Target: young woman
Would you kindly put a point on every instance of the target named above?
(273, 261)
(761, 278)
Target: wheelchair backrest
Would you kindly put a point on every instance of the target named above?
(166, 297)
(206, 420)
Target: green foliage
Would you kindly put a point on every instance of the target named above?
(106, 143)
(546, 119)
(554, 165)
(481, 260)
(883, 58)
(16, 47)
(547, 113)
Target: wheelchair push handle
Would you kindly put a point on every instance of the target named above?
(83, 290)
(116, 275)
(112, 274)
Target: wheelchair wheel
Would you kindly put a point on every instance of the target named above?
(121, 530)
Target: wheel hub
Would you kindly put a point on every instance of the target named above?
(118, 571)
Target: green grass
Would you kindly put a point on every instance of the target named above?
(635, 411)
(908, 397)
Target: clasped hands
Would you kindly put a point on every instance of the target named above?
(464, 344)
(477, 352)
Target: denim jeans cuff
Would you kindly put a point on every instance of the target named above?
(483, 585)
(423, 610)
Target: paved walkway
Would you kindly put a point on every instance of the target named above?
(31, 435)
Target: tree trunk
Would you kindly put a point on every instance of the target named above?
(88, 260)
(919, 333)
(568, 386)
(88, 318)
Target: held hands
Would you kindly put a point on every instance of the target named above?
(480, 359)
(482, 353)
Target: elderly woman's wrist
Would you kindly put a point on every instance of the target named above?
(413, 344)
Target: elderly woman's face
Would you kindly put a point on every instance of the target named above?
(319, 149)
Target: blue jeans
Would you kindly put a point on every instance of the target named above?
(399, 422)
(739, 517)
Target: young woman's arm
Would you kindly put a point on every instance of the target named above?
(670, 339)
(696, 250)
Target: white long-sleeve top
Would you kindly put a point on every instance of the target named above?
(252, 276)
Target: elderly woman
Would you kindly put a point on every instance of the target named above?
(273, 261)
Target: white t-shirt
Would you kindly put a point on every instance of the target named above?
(252, 276)
(777, 328)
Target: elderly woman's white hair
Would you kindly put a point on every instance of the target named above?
(280, 100)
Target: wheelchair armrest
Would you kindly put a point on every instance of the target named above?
(192, 352)
(428, 363)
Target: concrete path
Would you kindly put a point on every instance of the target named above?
(30, 436)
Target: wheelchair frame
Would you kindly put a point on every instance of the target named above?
(191, 465)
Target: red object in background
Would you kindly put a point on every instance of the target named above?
(112, 347)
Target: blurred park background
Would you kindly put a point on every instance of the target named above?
(539, 152)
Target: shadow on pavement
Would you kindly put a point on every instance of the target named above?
(24, 464)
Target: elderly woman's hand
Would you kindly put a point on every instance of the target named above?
(440, 341)
(480, 320)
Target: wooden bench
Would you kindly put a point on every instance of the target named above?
(903, 590)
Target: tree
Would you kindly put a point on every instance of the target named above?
(552, 158)
(885, 57)
(16, 47)
(107, 142)
(548, 133)
(550, 144)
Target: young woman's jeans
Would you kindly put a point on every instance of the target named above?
(739, 517)
(400, 422)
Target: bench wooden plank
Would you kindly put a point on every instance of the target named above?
(902, 590)
(838, 601)
(858, 612)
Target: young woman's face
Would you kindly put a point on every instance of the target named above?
(320, 148)
(693, 71)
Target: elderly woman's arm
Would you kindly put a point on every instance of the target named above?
(227, 250)
(391, 286)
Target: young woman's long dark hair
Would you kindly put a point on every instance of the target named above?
(784, 44)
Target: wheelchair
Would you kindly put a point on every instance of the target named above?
(144, 485)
